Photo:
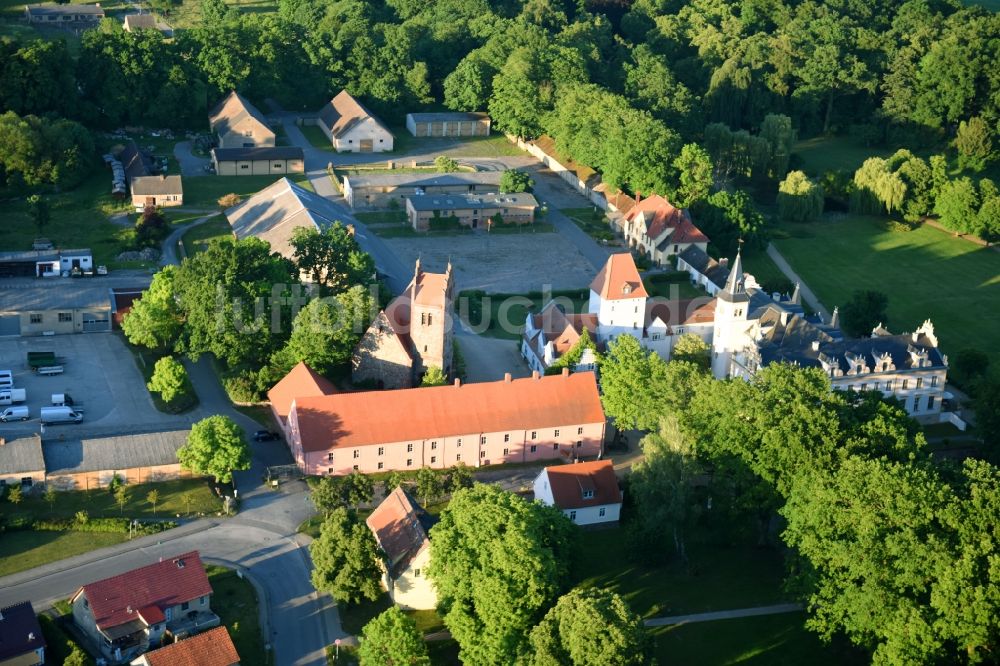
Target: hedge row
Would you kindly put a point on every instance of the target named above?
(113, 525)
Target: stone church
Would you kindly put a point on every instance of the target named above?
(411, 335)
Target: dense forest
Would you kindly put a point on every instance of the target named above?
(658, 71)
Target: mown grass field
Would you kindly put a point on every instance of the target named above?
(926, 273)
(205, 191)
(822, 153)
(197, 239)
(25, 549)
(78, 219)
(234, 600)
(505, 313)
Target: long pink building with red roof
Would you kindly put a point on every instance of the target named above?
(127, 614)
(512, 420)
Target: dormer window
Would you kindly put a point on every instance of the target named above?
(626, 288)
(588, 494)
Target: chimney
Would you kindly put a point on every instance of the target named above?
(534, 374)
(31, 636)
(3, 441)
(638, 197)
(724, 262)
(565, 372)
(458, 381)
(506, 377)
(815, 345)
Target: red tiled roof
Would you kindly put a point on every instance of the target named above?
(398, 530)
(211, 648)
(378, 417)
(662, 216)
(118, 600)
(564, 330)
(682, 312)
(619, 279)
(569, 481)
(301, 381)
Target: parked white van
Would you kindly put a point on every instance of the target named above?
(53, 415)
(6, 379)
(18, 413)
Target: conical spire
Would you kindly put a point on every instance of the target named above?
(734, 284)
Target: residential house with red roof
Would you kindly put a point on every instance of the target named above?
(351, 127)
(618, 305)
(125, 615)
(588, 493)
(21, 639)
(659, 230)
(513, 420)
(300, 382)
(412, 334)
(211, 648)
(401, 528)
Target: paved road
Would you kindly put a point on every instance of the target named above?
(191, 165)
(168, 253)
(777, 609)
(808, 295)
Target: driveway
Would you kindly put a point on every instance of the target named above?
(488, 359)
(191, 165)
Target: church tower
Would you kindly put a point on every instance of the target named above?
(729, 334)
(431, 302)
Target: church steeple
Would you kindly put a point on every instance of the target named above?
(735, 289)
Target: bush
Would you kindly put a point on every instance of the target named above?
(229, 200)
(151, 229)
(444, 223)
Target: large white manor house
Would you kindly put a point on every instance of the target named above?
(747, 329)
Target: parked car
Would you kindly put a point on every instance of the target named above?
(19, 413)
(52, 415)
(102, 270)
(6, 379)
(265, 436)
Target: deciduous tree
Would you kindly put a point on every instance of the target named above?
(589, 627)
(332, 258)
(169, 379)
(326, 331)
(865, 310)
(692, 349)
(346, 559)
(392, 639)
(430, 485)
(512, 180)
(799, 199)
(434, 377)
(155, 320)
(216, 446)
(694, 172)
(497, 562)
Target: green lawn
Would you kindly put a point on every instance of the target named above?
(183, 497)
(234, 600)
(763, 268)
(205, 191)
(495, 145)
(79, 218)
(772, 640)
(838, 153)
(592, 221)
(26, 549)
(506, 313)
(196, 239)
(383, 217)
(316, 137)
(721, 578)
(926, 273)
(672, 285)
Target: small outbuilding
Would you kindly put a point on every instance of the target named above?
(401, 528)
(159, 190)
(448, 124)
(92, 462)
(587, 493)
(258, 161)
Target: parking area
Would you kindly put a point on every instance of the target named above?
(99, 374)
(500, 263)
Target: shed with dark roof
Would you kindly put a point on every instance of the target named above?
(21, 639)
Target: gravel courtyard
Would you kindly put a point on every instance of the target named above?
(500, 263)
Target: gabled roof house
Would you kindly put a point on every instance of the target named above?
(401, 528)
(277, 210)
(353, 128)
(21, 639)
(239, 124)
(212, 648)
(658, 229)
(126, 615)
(587, 492)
